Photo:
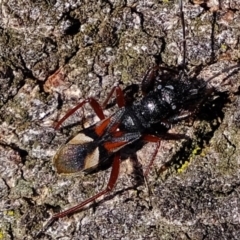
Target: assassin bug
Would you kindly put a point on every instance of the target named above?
(166, 101)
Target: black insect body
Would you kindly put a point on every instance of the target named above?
(168, 103)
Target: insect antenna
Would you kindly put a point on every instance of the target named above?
(237, 66)
(204, 84)
(184, 35)
(196, 71)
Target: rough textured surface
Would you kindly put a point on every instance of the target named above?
(55, 53)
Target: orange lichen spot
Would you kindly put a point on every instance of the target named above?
(54, 81)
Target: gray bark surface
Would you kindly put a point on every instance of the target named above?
(55, 53)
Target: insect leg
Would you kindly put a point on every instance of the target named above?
(157, 139)
(192, 109)
(151, 138)
(111, 183)
(93, 103)
(182, 116)
(149, 80)
(119, 97)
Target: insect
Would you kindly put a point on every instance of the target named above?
(165, 101)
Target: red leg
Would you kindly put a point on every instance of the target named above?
(152, 138)
(119, 97)
(149, 80)
(111, 183)
(93, 103)
(156, 139)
